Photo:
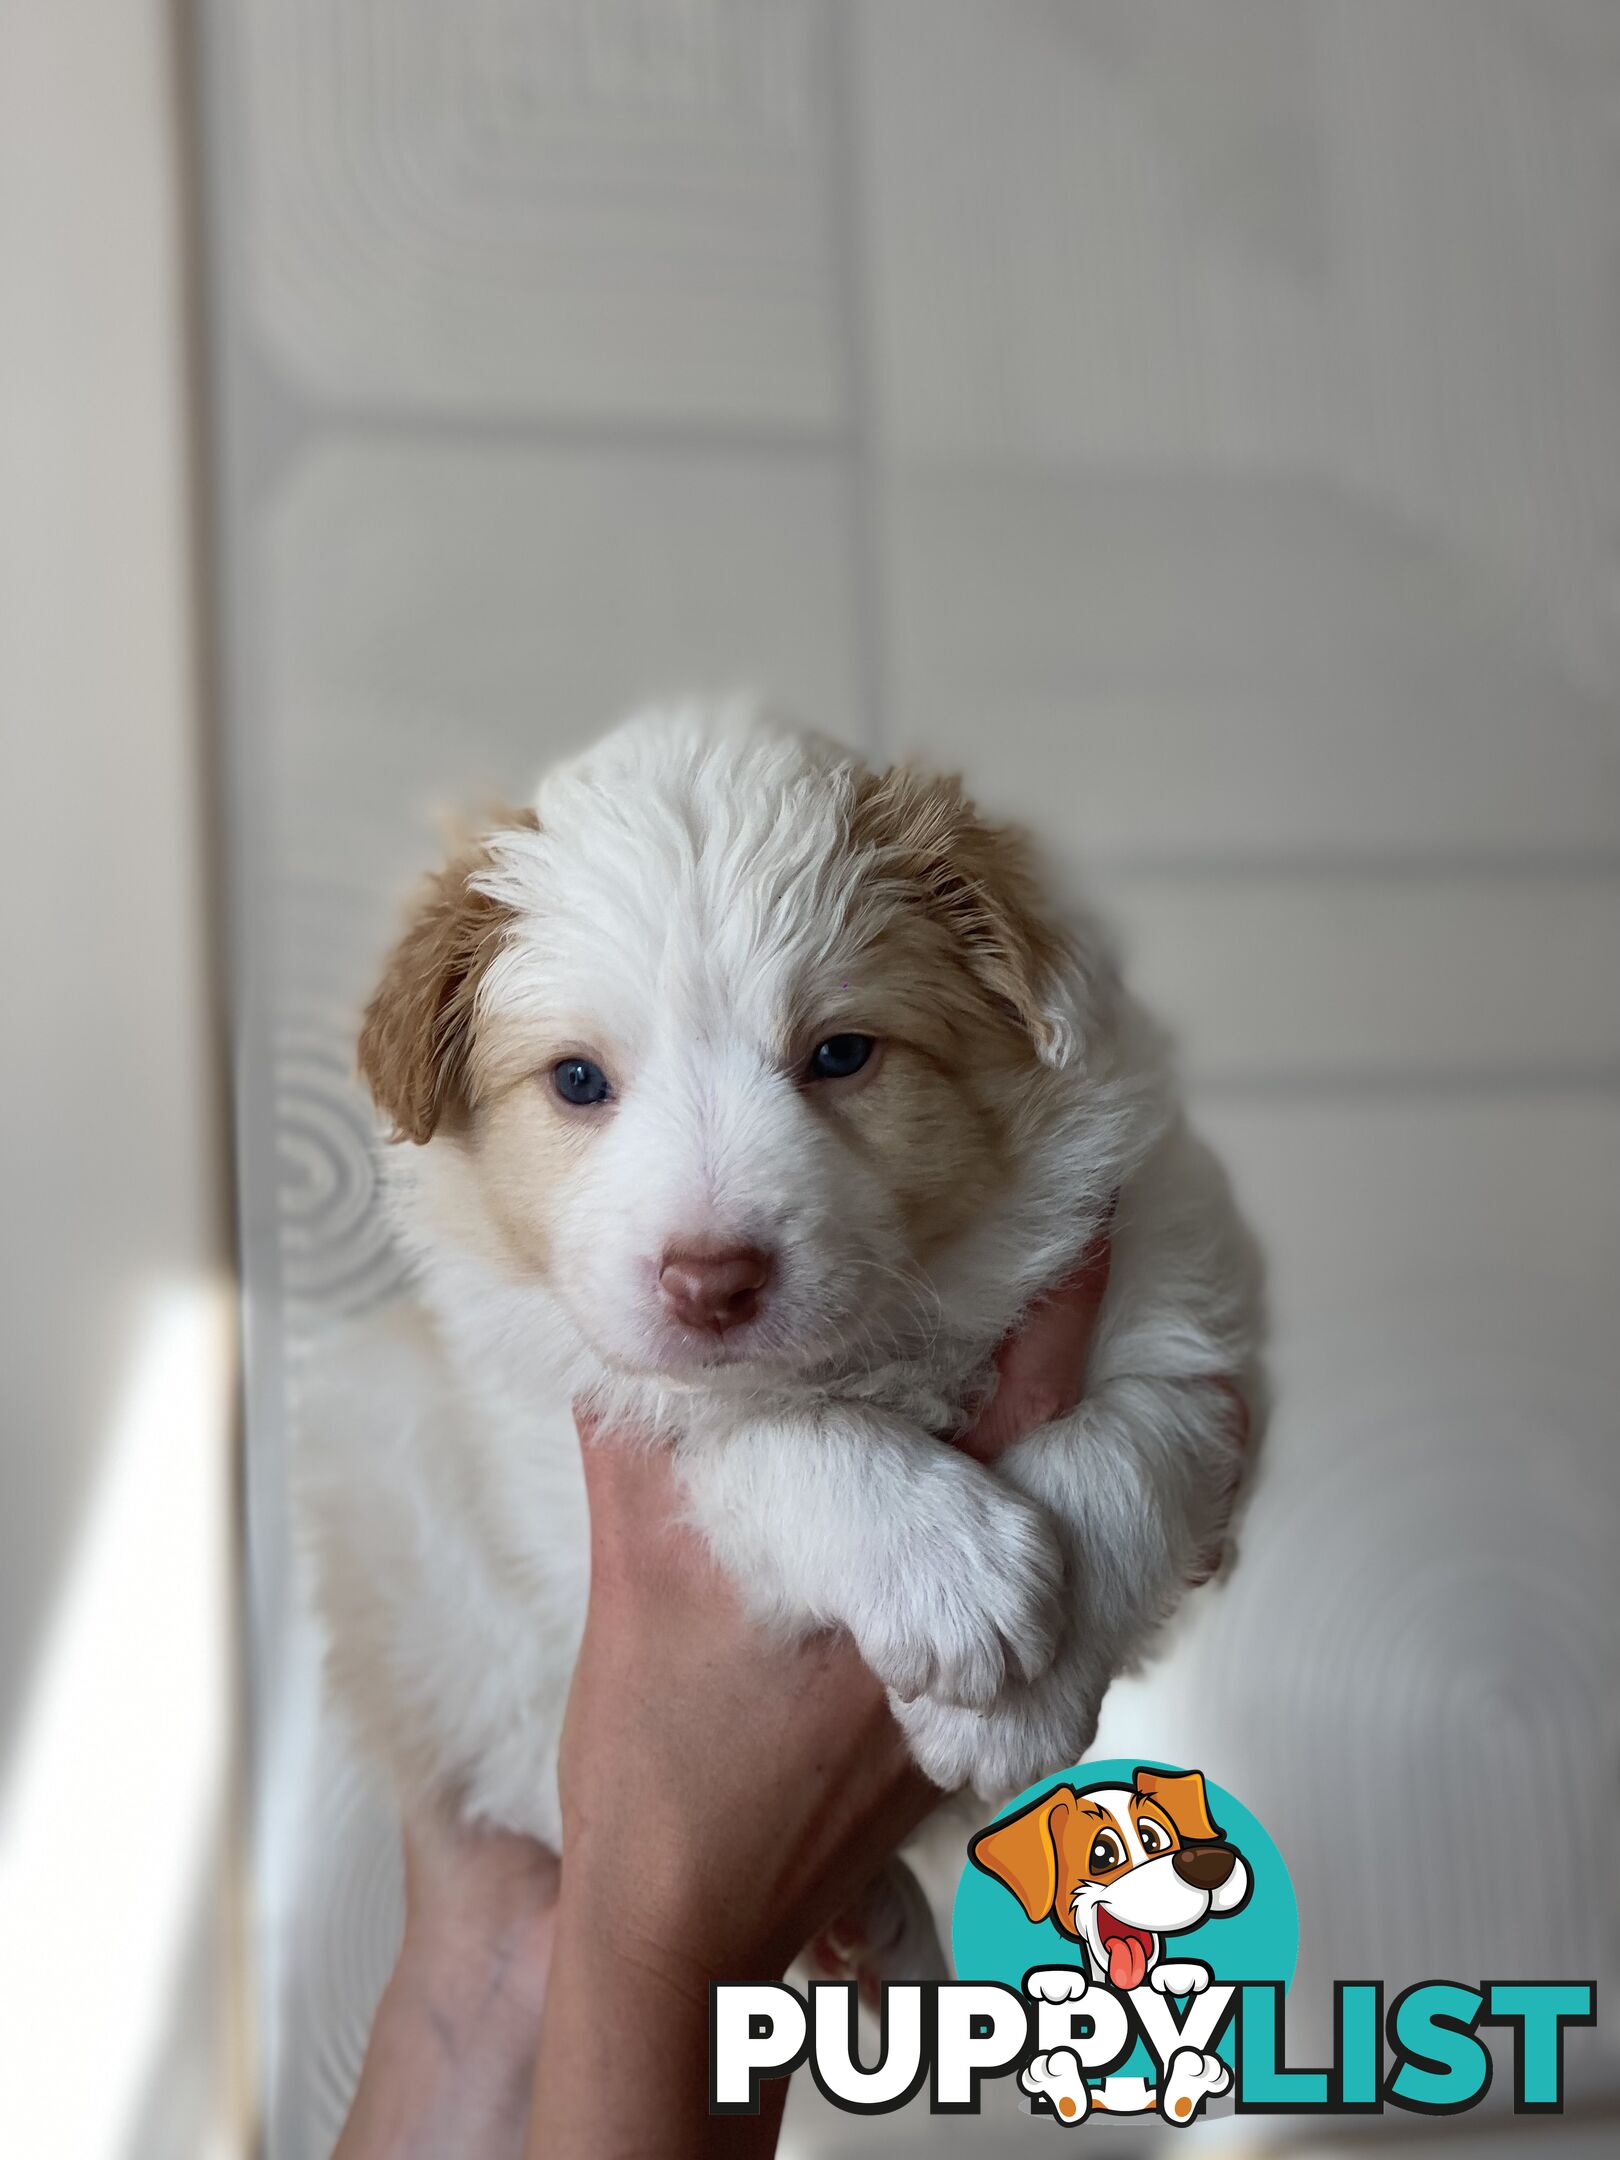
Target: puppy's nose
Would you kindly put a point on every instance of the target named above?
(1206, 1867)
(713, 1286)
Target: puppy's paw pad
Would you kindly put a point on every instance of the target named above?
(1057, 2077)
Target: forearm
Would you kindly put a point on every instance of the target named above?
(446, 2069)
(623, 2070)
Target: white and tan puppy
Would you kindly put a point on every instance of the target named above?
(752, 1096)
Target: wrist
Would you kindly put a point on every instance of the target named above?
(624, 1977)
(483, 1989)
(438, 2076)
(678, 1928)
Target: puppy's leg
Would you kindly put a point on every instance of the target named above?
(1139, 1480)
(1136, 1480)
(949, 1580)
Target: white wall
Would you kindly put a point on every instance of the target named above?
(117, 1633)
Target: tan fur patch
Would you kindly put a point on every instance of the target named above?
(522, 1153)
(976, 879)
(416, 1039)
(935, 1121)
(937, 1150)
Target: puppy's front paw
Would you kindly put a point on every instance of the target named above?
(999, 1751)
(974, 1600)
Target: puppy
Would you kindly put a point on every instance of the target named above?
(750, 1097)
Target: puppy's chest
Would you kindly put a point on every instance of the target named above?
(939, 1392)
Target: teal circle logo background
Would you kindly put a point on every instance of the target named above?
(992, 1940)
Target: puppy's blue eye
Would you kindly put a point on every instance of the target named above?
(839, 1056)
(577, 1080)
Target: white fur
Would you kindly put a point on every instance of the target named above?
(685, 893)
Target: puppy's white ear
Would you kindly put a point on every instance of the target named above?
(1184, 1799)
(977, 879)
(416, 1038)
(1022, 1851)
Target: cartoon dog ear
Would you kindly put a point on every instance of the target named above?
(416, 1039)
(1022, 1851)
(977, 879)
(1184, 1800)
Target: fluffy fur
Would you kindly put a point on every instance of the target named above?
(694, 904)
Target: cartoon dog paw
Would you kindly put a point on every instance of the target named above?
(1187, 1978)
(1059, 2078)
(1057, 1983)
(1191, 2079)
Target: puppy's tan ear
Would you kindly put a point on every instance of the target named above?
(1022, 1851)
(1183, 1799)
(978, 880)
(416, 1038)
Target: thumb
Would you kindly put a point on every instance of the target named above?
(630, 1487)
(1041, 1367)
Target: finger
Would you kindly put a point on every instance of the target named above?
(630, 1488)
(1041, 1367)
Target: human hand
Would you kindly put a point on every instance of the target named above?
(724, 1794)
(777, 1767)
(1041, 1367)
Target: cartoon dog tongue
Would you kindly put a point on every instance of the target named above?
(1127, 1960)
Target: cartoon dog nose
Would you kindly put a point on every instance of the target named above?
(1206, 1867)
(713, 1286)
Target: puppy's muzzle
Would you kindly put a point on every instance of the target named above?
(713, 1287)
(1206, 1867)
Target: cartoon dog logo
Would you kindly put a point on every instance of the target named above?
(1117, 1868)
